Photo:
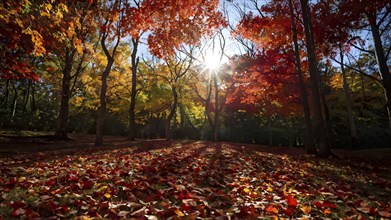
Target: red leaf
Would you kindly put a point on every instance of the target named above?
(18, 204)
(318, 204)
(329, 205)
(288, 212)
(103, 204)
(50, 183)
(291, 201)
(88, 184)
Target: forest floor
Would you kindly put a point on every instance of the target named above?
(159, 179)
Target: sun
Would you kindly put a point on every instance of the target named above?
(212, 61)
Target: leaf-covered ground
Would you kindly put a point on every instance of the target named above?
(192, 180)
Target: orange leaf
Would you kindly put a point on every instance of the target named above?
(306, 209)
(272, 209)
(326, 211)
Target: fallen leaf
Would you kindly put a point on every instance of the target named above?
(329, 205)
(82, 218)
(22, 179)
(385, 214)
(246, 190)
(318, 204)
(18, 212)
(306, 209)
(291, 201)
(108, 196)
(272, 209)
(45, 197)
(123, 213)
(151, 217)
(326, 211)
(289, 212)
(179, 213)
(364, 209)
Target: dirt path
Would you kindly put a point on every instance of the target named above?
(11, 146)
(14, 145)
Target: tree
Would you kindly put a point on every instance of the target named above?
(309, 138)
(348, 98)
(176, 23)
(178, 66)
(376, 17)
(133, 93)
(333, 40)
(320, 128)
(269, 29)
(382, 8)
(111, 27)
(71, 43)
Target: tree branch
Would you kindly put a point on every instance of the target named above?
(359, 71)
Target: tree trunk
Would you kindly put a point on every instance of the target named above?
(382, 63)
(182, 115)
(26, 97)
(32, 103)
(216, 116)
(348, 99)
(207, 107)
(62, 121)
(320, 129)
(135, 61)
(102, 109)
(309, 137)
(327, 119)
(6, 93)
(103, 103)
(14, 101)
(172, 112)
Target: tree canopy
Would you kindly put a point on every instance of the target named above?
(302, 73)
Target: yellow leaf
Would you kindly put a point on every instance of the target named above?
(107, 195)
(306, 209)
(82, 218)
(63, 7)
(246, 190)
(179, 213)
(21, 179)
(102, 188)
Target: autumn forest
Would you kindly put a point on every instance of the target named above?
(195, 109)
